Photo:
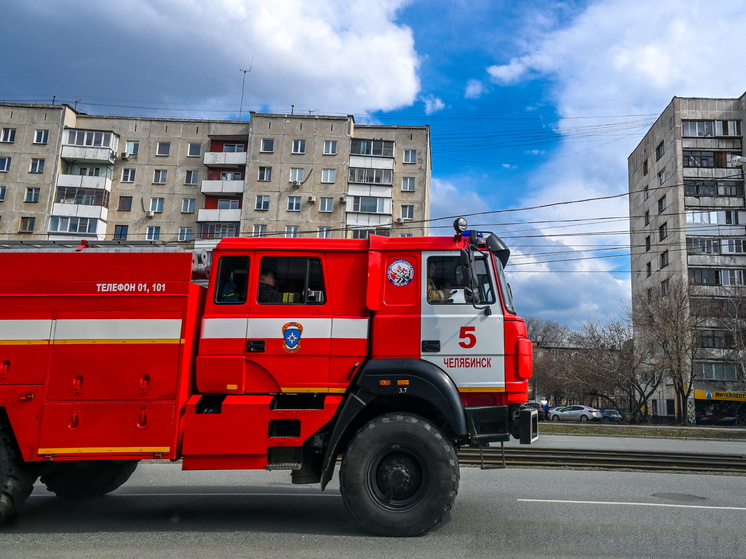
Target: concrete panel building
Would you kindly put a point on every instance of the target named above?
(688, 219)
(67, 175)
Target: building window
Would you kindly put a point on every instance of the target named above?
(648, 269)
(82, 196)
(731, 217)
(661, 177)
(125, 203)
(153, 233)
(299, 146)
(259, 231)
(717, 339)
(665, 287)
(8, 136)
(703, 276)
(37, 166)
(371, 176)
(367, 204)
(133, 147)
(195, 150)
(647, 243)
(718, 159)
(72, 225)
(128, 175)
(268, 145)
(381, 148)
(410, 156)
(265, 173)
(89, 171)
(41, 137)
(732, 246)
(185, 233)
(219, 230)
(664, 259)
(326, 205)
(292, 231)
(707, 246)
(163, 149)
(325, 232)
(659, 151)
(160, 176)
(710, 128)
(2, 194)
(328, 175)
(663, 231)
(120, 232)
(188, 205)
(407, 184)
(192, 177)
(293, 203)
(32, 195)
(407, 212)
(4, 164)
(715, 371)
(296, 175)
(645, 168)
(661, 204)
(233, 148)
(701, 216)
(92, 138)
(27, 224)
(262, 203)
(230, 176)
(156, 205)
(330, 147)
(228, 204)
(647, 217)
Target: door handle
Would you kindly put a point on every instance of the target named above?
(430, 346)
(255, 346)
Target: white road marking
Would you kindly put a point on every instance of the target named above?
(628, 504)
(208, 494)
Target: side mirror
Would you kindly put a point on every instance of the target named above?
(466, 262)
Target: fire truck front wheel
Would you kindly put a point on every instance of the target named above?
(16, 478)
(87, 479)
(399, 475)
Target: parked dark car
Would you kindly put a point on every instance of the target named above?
(608, 415)
(536, 406)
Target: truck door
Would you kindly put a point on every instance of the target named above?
(466, 342)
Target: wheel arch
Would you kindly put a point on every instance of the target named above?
(429, 392)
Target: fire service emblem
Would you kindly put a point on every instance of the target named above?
(291, 333)
(400, 273)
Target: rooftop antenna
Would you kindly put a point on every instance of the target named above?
(292, 109)
(53, 99)
(76, 103)
(311, 111)
(243, 85)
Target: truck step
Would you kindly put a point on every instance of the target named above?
(284, 466)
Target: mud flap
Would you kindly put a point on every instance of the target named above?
(529, 426)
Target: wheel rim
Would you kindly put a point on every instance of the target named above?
(555, 418)
(397, 478)
(583, 418)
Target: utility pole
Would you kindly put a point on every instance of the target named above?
(243, 85)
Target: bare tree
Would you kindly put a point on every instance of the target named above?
(548, 365)
(666, 321)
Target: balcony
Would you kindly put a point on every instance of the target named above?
(225, 159)
(80, 210)
(80, 181)
(86, 154)
(219, 215)
(222, 187)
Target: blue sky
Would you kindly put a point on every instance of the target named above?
(531, 104)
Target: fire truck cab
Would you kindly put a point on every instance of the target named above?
(388, 352)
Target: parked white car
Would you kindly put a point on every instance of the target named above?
(575, 413)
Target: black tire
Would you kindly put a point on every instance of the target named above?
(399, 475)
(555, 418)
(606, 420)
(16, 478)
(583, 418)
(87, 479)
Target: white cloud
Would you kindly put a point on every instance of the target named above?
(536, 151)
(304, 53)
(447, 199)
(509, 166)
(433, 104)
(474, 89)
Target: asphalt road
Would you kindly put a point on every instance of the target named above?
(164, 512)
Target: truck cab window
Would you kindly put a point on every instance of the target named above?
(291, 280)
(232, 282)
(446, 284)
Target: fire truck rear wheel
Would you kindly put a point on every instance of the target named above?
(399, 475)
(16, 478)
(84, 480)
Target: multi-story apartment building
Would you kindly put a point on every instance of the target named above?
(688, 219)
(69, 175)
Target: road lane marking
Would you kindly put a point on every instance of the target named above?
(629, 504)
(207, 495)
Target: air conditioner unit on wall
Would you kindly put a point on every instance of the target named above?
(125, 155)
(399, 220)
(149, 213)
(343, 199)
(296, 184)
(312, 199)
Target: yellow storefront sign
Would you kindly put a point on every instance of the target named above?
(716, 395)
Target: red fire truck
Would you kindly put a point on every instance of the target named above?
(388, 352)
